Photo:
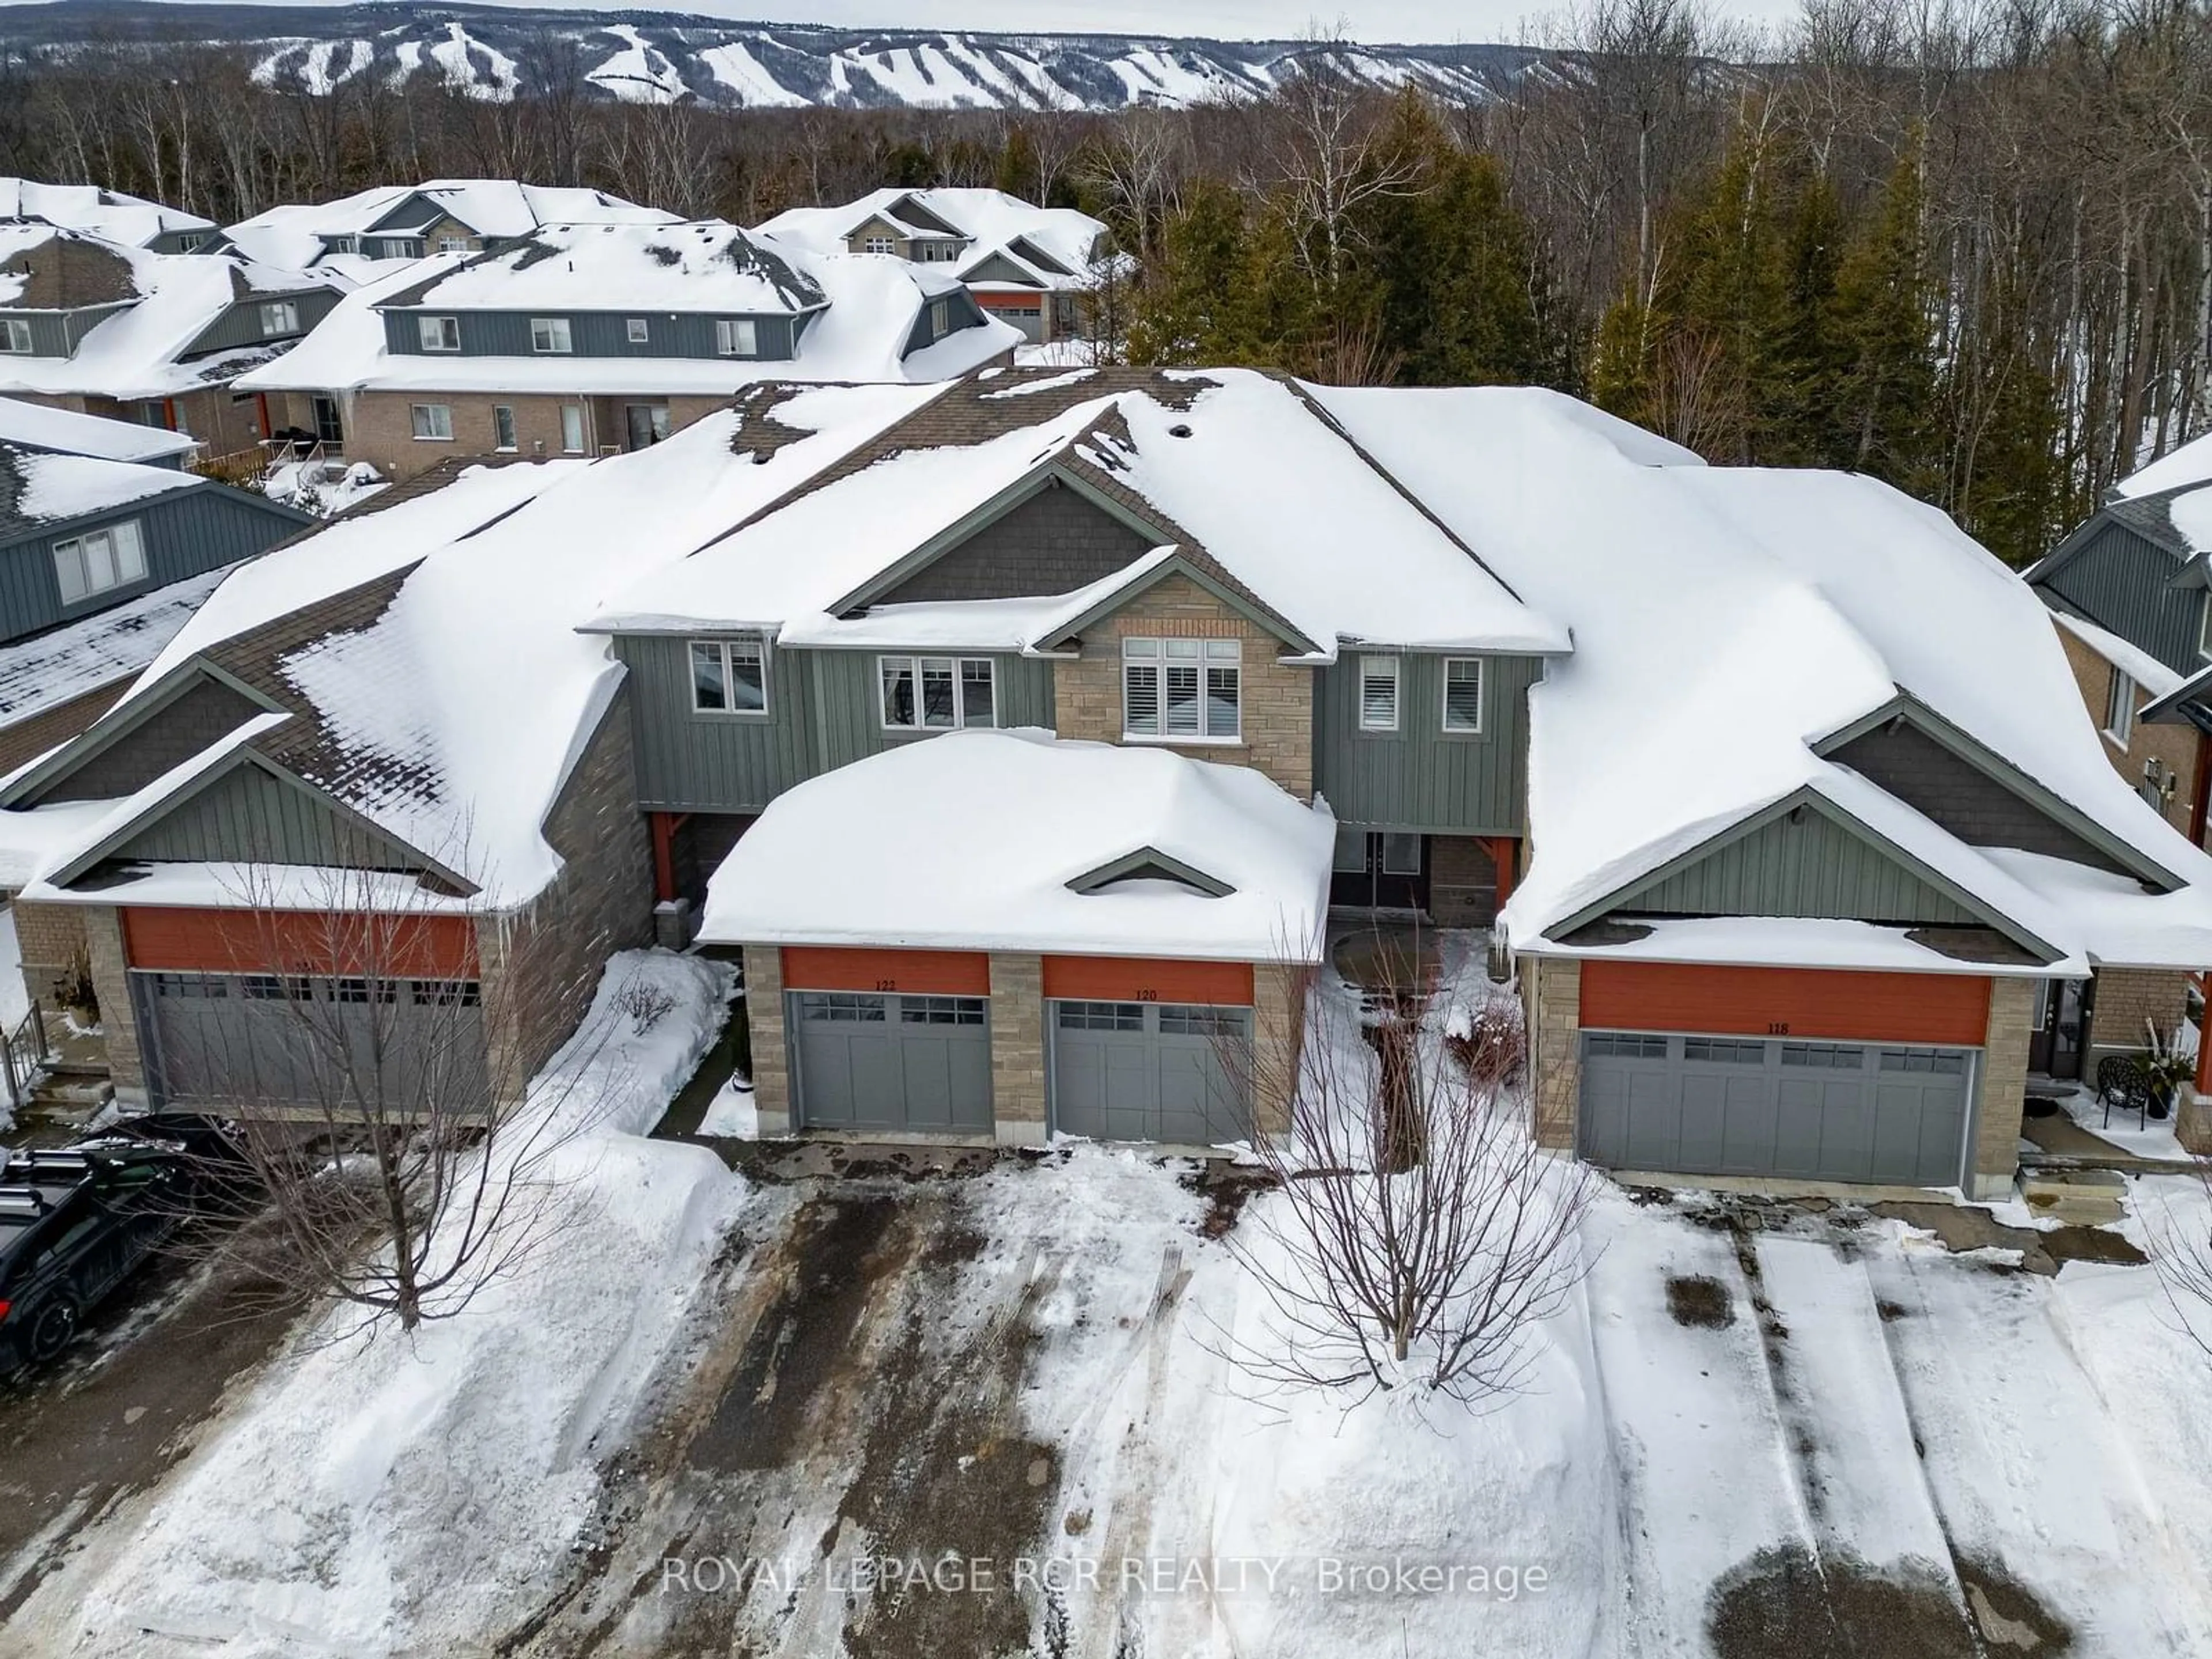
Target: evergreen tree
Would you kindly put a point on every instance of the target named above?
(1883, 317)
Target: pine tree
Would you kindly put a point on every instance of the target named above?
(1883, 316)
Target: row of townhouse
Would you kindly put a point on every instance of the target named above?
(1023, 734)
(403, 325)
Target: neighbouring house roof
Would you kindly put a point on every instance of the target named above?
(2145, 670)
(166, 302)
(421, 656)
(1055, 247)
(1242, 479)
(1727, 621)
(65, 432)
(49, 669)
(992, 829)
(298, 233)
(859, 313)
(37, 489)
(109, 213)
(2186, 464)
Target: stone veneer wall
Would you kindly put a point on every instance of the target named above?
(1463, 882)
(48, 937)
(1018, 1062)
(2126, 999)
(1551, 1003)
(764, 1027)
(2003, 1087)
(1278, 700)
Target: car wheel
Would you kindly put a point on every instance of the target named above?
(51, 1328)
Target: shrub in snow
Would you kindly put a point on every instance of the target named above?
(1420, 1234)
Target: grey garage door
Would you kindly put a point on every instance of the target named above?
(892, 1062)
(1817, 1111)
(1150, 1071)
(298, 1042)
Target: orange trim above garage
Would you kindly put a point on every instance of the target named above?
(1148, 979)
(1808, 1002)
(921, 973)
(217, 941)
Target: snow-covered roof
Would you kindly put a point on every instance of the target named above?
(1728, 620)
(2187, 463)
(2138, 665)
(397, 636)
(37, 488)
(299, 233)
(991, 220)
(109, 213)
(51, 668)
(1239, 472)
(65, 432)
(993, 826)
(166, 299)
(863, 312)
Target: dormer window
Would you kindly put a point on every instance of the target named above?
(16, 335)
(2204, 628)
(550, 334)
(737, 337)
(280, 317)
(639, 330)
(880, 245)
(438, 333)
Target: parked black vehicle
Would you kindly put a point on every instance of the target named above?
(75, 1222)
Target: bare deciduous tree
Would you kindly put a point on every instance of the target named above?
(1420, 1234)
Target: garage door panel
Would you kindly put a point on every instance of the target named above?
(1148, 1072)
(886, 1062)
(1843, 1112)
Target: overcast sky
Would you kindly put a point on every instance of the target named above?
(1412, 21)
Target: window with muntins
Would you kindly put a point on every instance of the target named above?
(2120, 708)
(550, 334)
(99, 560)
(937, 693)
(16, 335)
(729, 677)
(280, 317)
(737, 337)
(438, 333)
(1189, 689)
(1462, 694)
(432, 420)
(1378, 694)
(880, 245)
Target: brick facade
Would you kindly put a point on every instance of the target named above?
(1278, 1029)
(2173, 747)
(48, 939)
(224, 423)
(25, 739)
(1018, 1062)
(540, 967)
(764, 1026)
(2003, 1088)
(1463, 882)
(2128, 999)
(118, 1020)
(1278, 699)
(1552, 1006)
(380, 426)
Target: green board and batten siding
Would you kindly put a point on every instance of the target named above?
(248, 814)
(1799, 865)
(1421, 777)
(2123, 580)
(824, 713)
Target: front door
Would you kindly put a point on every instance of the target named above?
(2061, 1019)
(329, 430)
(1380, 870)
(646, 423)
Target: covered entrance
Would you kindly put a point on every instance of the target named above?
(893, 1041)
(1380, 869)
(1150, 1050)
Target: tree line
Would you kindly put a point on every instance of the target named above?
(1962, 245)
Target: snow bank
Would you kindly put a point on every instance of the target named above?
(387, 1496)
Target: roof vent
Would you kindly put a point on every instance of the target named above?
(1178, 431)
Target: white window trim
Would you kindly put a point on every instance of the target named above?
(513, 431)
(72, 548)
(638, 330)
(2120, 698)
(17, 328)
(1378, 668)
(557, 330)
(2204, 627)
(767, 703)
(445, 437)
(1443, 696)
(912, 662)
(583, 424)
(1158, 656)
(424, 330)
(286, 313)
(729, 337)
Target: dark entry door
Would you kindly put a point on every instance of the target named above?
(646, 423)
(328, 429)
(2062, 1020)
(1380, 870)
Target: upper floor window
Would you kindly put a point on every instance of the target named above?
(1188, 688)
(737, 337)
(99, 560)
(2120, 708)
(880, 245)
(15, 335)
(432, 420)
(940, 318)
(190, 241)
(937, 693)
(455, 245)
(1378, 694)
(640, 332)
(1462, 694)
(280, 317)
(550, 334)
(2204, 629)
(729, 677)
(403, 248)
(438, 333)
